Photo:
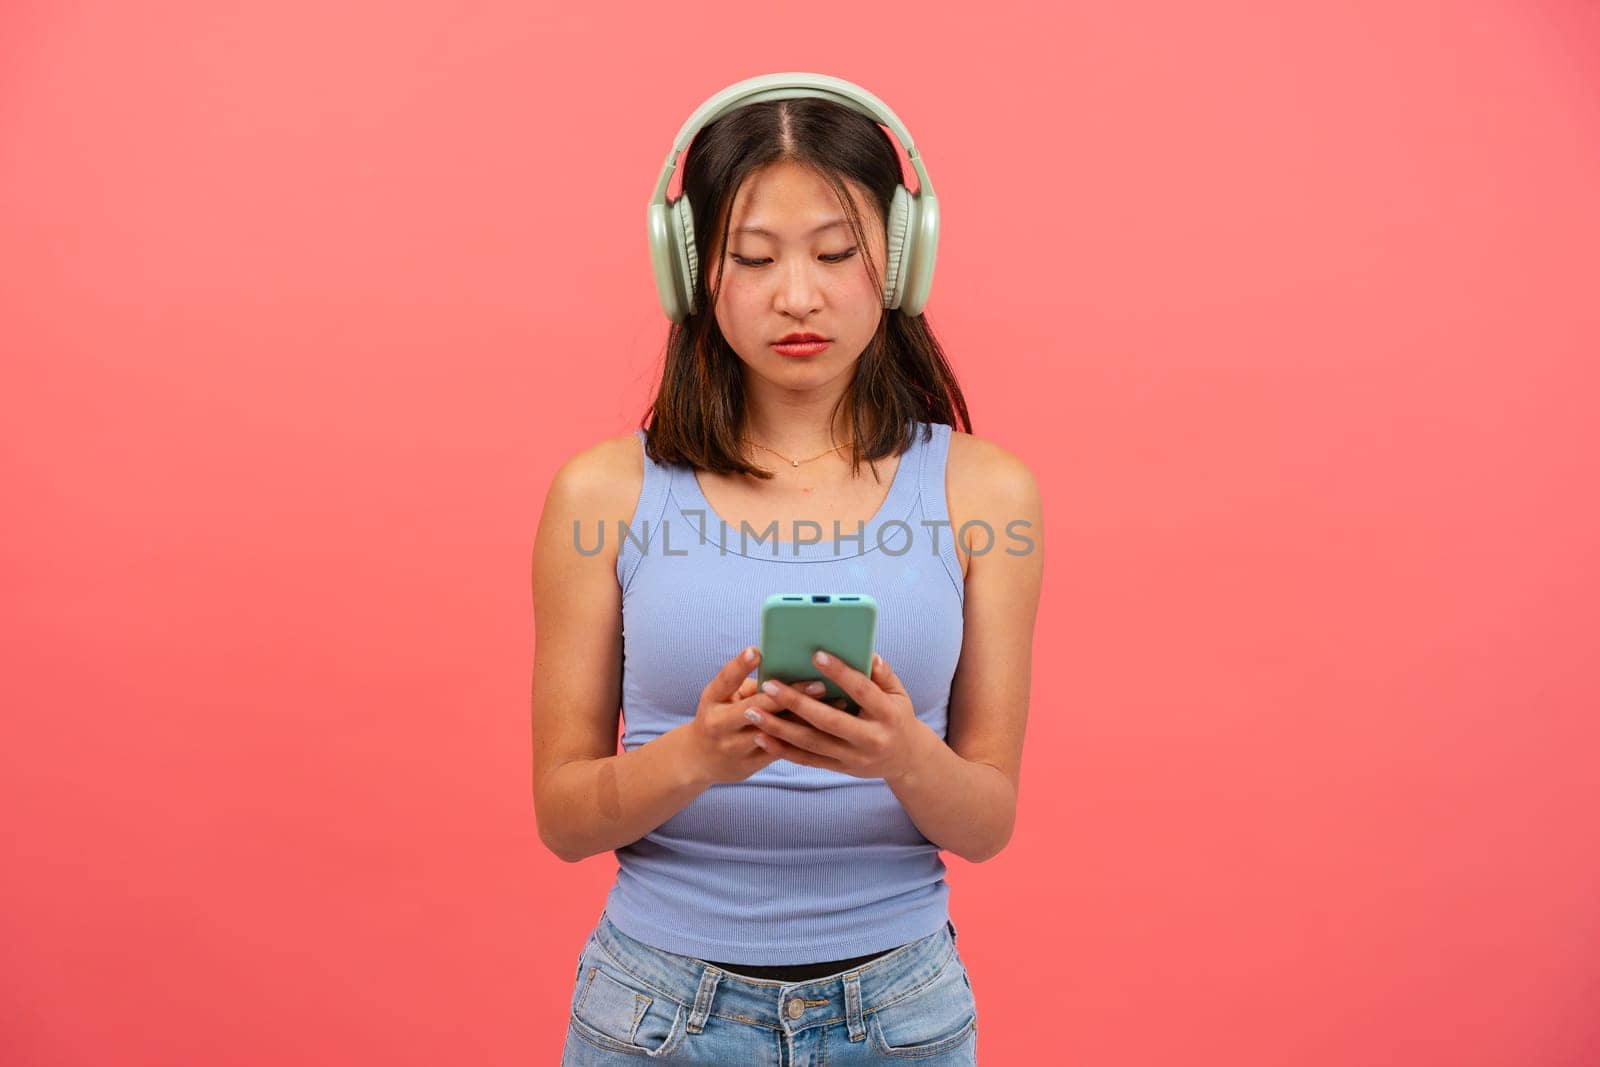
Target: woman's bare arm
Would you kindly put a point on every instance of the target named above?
(588, 798)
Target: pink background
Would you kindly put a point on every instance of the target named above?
(1293, 312)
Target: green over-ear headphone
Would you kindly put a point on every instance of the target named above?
(913, 223)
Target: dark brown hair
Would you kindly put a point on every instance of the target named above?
(902, 376)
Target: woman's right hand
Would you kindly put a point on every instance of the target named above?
(724, 740)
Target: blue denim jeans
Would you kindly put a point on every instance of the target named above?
(632, 1000)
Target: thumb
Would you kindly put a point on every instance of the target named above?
(884, 677)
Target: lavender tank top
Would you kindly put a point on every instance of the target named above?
(794, 864)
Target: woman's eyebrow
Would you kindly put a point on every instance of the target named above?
(769, 233)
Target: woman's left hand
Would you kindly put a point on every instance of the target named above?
(880, 742)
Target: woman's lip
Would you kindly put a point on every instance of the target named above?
(800, 348)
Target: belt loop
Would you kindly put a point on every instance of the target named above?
(852, 1006)
(702, 999)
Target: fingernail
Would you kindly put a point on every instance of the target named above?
(876, 659)
(753, 715)
(771, 688)
(816, 688)
(824, 659)
(750, 654)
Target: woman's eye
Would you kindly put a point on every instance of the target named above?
(837, 257)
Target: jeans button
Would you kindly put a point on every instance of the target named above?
(796, 1008)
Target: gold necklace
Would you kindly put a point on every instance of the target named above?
(796, 462)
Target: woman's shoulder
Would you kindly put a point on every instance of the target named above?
(602, 480)
(983, 469)
(986, 483)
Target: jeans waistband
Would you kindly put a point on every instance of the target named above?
(791, 1006)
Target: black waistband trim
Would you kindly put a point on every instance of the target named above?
(798, 972)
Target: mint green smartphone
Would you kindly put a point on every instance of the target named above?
(796, 625)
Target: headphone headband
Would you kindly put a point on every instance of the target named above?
(786, 86)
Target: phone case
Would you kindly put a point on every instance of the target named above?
(795, 625)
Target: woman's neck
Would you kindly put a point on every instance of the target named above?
(796, 435)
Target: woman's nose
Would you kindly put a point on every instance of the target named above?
(799, 290)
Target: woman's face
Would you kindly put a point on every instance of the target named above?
(803, 275)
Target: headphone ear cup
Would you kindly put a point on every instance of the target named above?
(688, 258)
(918, 256)
(664, 259)
(894, 275)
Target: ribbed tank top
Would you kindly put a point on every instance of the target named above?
(793, 864)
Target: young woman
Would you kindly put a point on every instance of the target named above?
(780, 896)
